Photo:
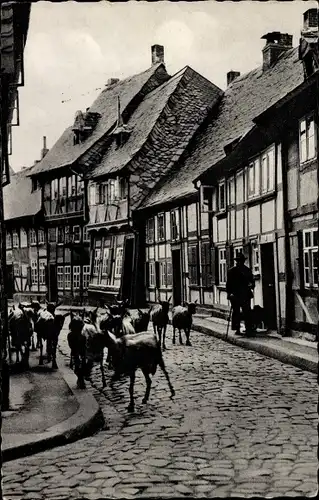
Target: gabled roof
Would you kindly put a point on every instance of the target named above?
(146, 117)
(64, 152)
(18, 200)
(245, 98)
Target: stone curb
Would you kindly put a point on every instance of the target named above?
(302, 361)
(87, 420)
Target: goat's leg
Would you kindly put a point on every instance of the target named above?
(164, 335)
(148, 386)
(130, 407)
(159, 329)
(188, 332)
(174, 329)
(180, 337)
(102, 372)
(41, 351)
(163, 368)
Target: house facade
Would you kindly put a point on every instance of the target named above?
(257, 192)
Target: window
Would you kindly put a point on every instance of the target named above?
(175, 225)
(221, 198)
(76, 234)
(67, 234)
(23, 238)
(96, 261)
(193, 264)
(113, 190)
(231, 190)
(123, 188)
(32, 237)
(222, 266)
(34, 184)
(310, 254)
(15, 239)
(60, 235)
(169, 274)
(76, 277)
(92, 200)
(67, 277)
(151, 267)
(150, 230)
(254, 178)
(106, 255)
(8, 240)
(86, 236)
(307, 150)
(255, 258)
(62, 187)
(16, 269)
(41, 237)
(118, 262)
(86, 276)
(42, 272)
(80, 187)
(161, 227)
(34, 272)
(268, 171)
(52, 234)
(60, 276)
(206, 264)
(54, 189)
(100, 192)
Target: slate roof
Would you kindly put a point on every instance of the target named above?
(245, 98)
(18, 200)
(146, 117)
(64, 152)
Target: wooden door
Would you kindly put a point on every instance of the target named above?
(268, 284)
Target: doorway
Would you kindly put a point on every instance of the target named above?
(268, 284)
(177, 277)
(53, 283)
(127, 274)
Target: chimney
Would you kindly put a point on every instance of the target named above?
(310, 22)
(276, 44)
(44, 149)
(157, 54)
(231, 75)
(112, 81)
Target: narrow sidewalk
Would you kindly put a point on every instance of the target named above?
(46, 410)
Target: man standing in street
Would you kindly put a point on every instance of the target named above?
(239, 287)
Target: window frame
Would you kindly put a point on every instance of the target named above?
(41, 237)
(175, 227)
(8, 240)
(193, 267)
(67, 277)
(42, 264)
(305, 119)
(150, 231)
(86, 269)
(222, 266)
(309, 251)
(151, 273)
(76, 277)
(255, 258)
(118, 267)
(34, 272)
(15, 239)
(221, 209)
(73, 234)
(60, 230)
(24, 239)
(32, 237)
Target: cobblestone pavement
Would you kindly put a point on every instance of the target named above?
(240, 424)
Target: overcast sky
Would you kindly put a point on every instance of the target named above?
(73, 48)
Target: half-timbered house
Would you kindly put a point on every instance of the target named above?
(26, 250)
(254, 166)
(144, 148)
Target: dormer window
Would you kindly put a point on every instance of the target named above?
(121, 131)
(84, 124)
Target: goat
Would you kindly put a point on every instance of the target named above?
(140, 320)
(94, 343)
(48, 327)
(77, 345)
(182, 319)
(20, 324)
(131, 352)
(159, 318)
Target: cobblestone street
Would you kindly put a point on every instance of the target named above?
(240, 424)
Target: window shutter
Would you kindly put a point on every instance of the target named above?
(301, 260)
(29, 282)
(214, 264)
(147, 274)
(157, 274)
(229, 256)
(294, 256)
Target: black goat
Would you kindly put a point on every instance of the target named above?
(160, 319)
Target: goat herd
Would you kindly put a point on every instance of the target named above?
(122, 331)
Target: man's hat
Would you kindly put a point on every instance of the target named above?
(240, 257)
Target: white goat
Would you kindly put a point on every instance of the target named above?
(159, 318)
(182, 319)
(131, 352)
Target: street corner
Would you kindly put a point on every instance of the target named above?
(69, 413)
